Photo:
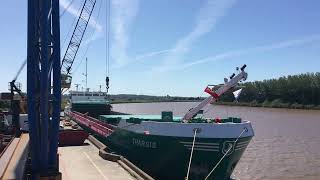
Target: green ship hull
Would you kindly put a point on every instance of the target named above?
(168, 158)
(165, 156)
(93, 109)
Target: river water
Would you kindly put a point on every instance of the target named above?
(286, 144)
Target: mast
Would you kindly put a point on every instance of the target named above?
(86, 73)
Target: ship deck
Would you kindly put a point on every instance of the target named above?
(158, 118)
(142, 117)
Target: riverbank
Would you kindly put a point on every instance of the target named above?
(273, 104)
(148, 101)
(266, 104)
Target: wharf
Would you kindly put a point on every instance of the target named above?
(84, 162)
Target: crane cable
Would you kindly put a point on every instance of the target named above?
(227, 152)
(66, 9)
(107, 43)
(73, 22)
(89, 44)
(191, 154)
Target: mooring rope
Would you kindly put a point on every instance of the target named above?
(194, 139)
(244, 129)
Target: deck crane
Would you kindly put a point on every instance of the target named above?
(67, 60)
(16, 104)
(72, 49)
(214, 95)
(75, 41)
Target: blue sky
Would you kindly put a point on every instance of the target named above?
(177, 47)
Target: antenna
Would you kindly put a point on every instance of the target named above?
(77, 86)
(86, 74)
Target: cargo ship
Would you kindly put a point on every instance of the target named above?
(170, 147)
(94, 103)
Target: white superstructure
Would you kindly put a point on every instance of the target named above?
(78, 96)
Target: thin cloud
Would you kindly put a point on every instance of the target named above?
(123, 13)
(65, 4)
(258, 49)
(144, 56)
(206, 20)
(155, 53)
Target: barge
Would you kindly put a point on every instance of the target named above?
(170, 147)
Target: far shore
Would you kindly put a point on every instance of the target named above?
(241, 104)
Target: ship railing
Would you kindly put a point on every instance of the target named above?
(100, 122)
(90, 123)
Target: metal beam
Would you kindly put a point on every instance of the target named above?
(56, 85)
(43, 70)
(44, 100)
(31, 83)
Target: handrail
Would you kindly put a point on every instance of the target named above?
(91, 123)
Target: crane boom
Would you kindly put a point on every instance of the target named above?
(75, 41)
(215, 95)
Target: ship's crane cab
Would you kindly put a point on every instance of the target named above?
(66, 81)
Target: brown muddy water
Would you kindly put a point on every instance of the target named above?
(286, 143)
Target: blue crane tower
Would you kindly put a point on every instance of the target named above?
(43, 84)
(45, 78)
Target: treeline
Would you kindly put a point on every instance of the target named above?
(296, 91)
(132, 98)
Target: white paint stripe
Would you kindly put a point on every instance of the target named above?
(201, 146)
(185, 142)
(243, 142)
(240, 148)
(99, 170)
(241, 145)
(201, 149)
